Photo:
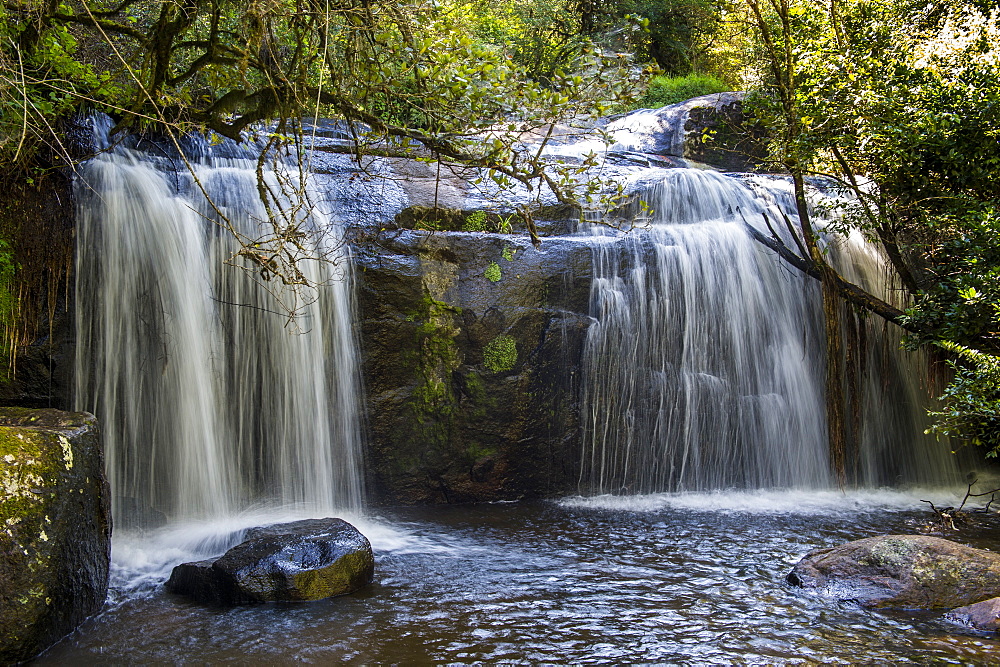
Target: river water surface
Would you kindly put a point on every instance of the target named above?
(661, 578)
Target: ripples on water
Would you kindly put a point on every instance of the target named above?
(663, 578)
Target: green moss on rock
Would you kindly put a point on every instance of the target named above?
(493, 273)
(55, 527)
(500, 354)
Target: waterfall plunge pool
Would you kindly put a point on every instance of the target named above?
(669, 578)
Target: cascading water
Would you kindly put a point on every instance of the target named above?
(705, 366)
(211, 401)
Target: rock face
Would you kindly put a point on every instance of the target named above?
(38, 222)
(903, 571)
(303, 560)
(983, 615)
(55, 527)
(472, 346)
(712, 129)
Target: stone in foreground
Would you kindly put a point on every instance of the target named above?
(55, 527)
(901, 571)
(983, 615)
(303, 560)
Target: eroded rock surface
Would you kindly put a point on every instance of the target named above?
(55, 527)
(311, 559)
(902, 571)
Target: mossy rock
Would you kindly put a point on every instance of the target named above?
(311, 559)
(472, 385)
(431, 219)
(901, 571)
(55, 527)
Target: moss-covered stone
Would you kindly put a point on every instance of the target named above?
(55, 527)
(493, 273)
(902, 571)
(311, 559)
(500, 354)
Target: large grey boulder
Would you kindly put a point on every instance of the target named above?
(713, 129)
(303, 560)
(55, 527)
(902, 571)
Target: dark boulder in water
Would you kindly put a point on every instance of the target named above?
(901, 571)
(303, 560)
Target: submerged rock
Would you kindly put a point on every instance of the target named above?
(983, 615)
(903, 571)
(303, 560)
(55, 527)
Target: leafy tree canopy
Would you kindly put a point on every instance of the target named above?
(900, 101)
(404, 69)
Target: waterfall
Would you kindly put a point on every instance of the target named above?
(212, 400)
(704, 368)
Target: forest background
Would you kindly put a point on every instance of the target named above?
(897, 101)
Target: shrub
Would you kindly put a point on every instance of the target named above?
(665, 90)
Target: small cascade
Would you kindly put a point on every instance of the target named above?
(705, 367)
(212, 399)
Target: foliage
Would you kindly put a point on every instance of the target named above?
(407, 77)
(480, 221)
(971, 410)
(680, 34)
(539, 36)
(476, 222)
(665, 90)
(500, 354)
(900, 102)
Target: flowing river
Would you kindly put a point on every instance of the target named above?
(695, 578)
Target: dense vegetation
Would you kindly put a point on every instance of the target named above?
(898, 101)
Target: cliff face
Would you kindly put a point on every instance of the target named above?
(472, 341)
(471, 346)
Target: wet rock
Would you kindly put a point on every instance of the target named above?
(712, 129)
(983, 615)
(55, 527)
(472, 349)
(303, 560)
(135, 513)
(38, 221)
(197, 580)
(902, 571)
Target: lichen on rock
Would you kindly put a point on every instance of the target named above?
(55, 527)
(901, 571)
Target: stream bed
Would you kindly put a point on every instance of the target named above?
(672, 578)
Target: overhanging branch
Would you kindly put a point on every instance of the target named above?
(848, 290)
